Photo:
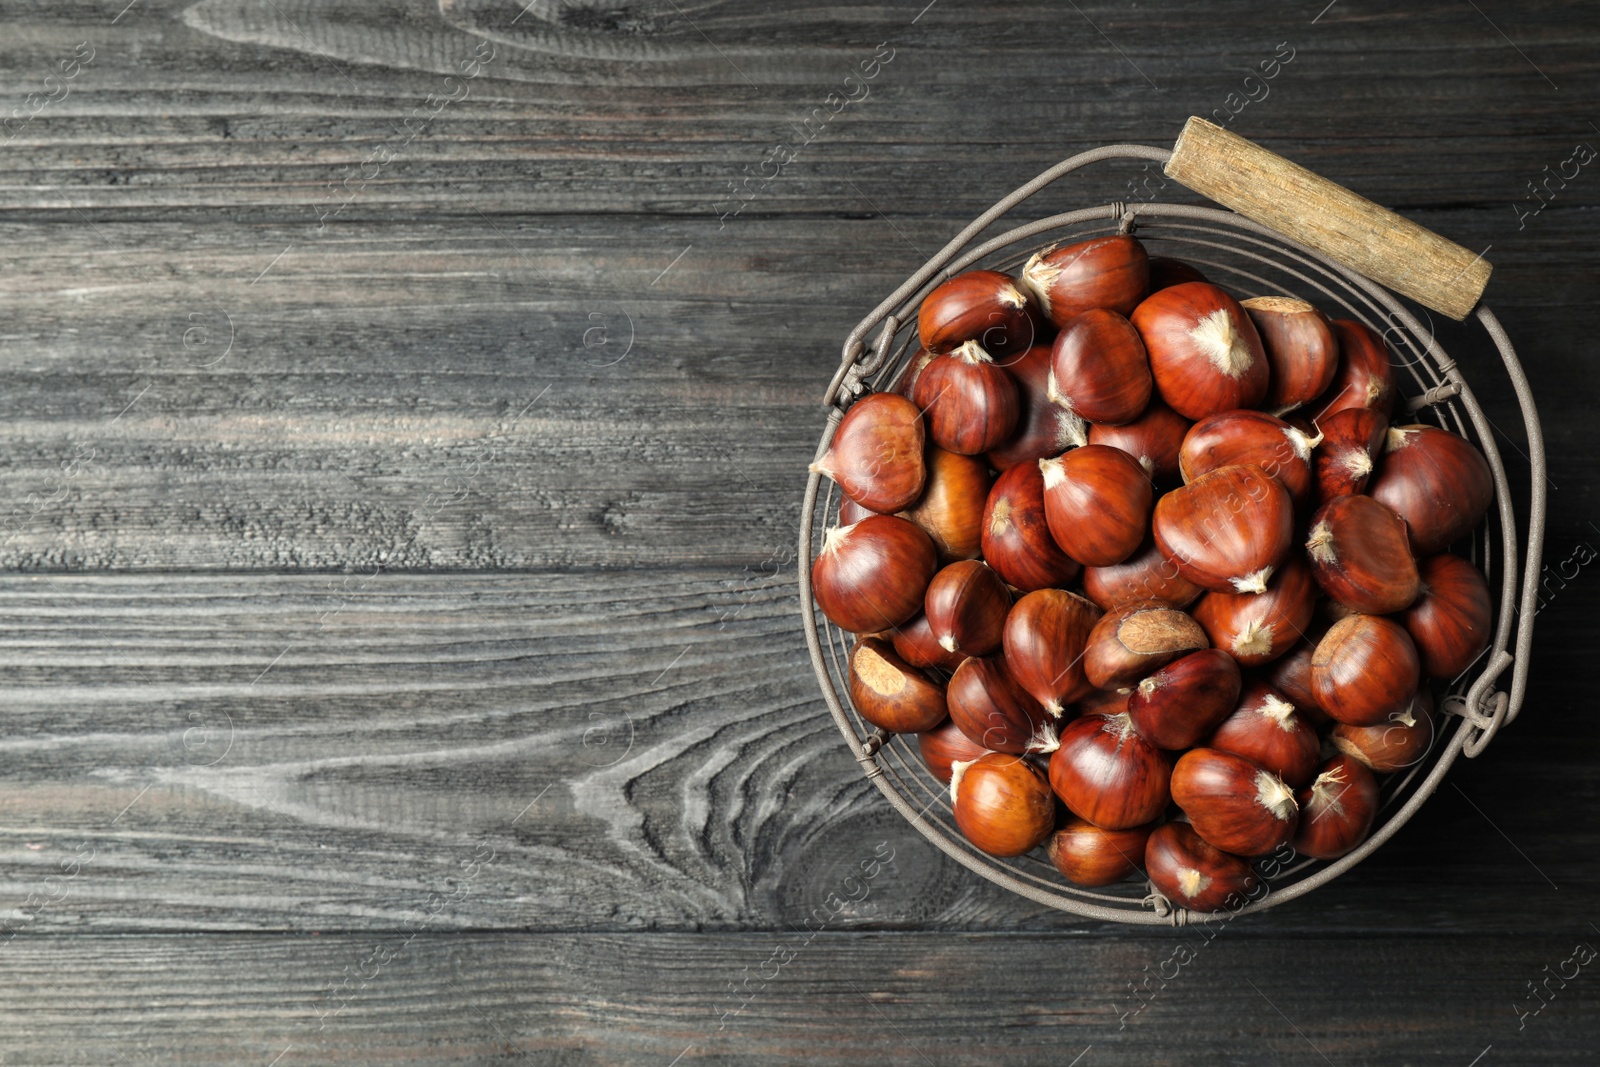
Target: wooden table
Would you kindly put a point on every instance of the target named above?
(405, 410)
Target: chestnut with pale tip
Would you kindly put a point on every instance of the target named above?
(950, 508)
(1266, 729)
(1089, 856)
(1194, 874)
(944, 746)
(1302, 353)
(1137, 639)
(1205, 354)
(1361, 556)
(971, 403)
(1251, 437)
(914, 641)
(1365, 669)
(1450, 620)
(1437, 481)
(1002, 803)
(1016, 538)
(1233, 802)
(1044, 640)
(1364, 378)
(1044, 428)
(1181, 703)
(871, 576)
(1107, 774)
(905, 383)
(1227, 530)
(966, 606)
(1102, 272)
(976, 305)
(1337, 811)
(1398, 742)
(890, 693)
(1145, 575)
(1153, 439)
(988, 705)
(877, 453)
(1097, 504)
(1290, 674)
(1352, 441)
(1257, 628)
(1098, 368)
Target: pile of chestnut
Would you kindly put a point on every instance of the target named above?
(1148, 570)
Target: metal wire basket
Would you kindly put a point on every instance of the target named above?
(1248, 258)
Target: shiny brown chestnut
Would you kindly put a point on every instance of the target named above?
(1044, 428)
(905, 383)
(1105, 702)
(1233, 802)
(1181, 703)
(976, 305)
(1016, 537)
(1102, 272)
(972, 404)
(850, 512)
(966, 606)
(1302, 353)
(890, 693)
(1265, 728)
(1087, 855)
(1165, 272)
(1227, 530)
(1097, 503)
(1337, 812)
(1002, 804)
(1252, 437)
(1360, 555)
(1204, 351)
(944, 746)
(988, 705)
(1045, 636)
(1437, 481)
(1153, 439)
(1451, 617)
(877, 453)
(1257, 628)
(1364, 379)
(1364, 670)
(1194, 874)
(1098, 369)
(1136, 639)
(1105, 773)
(950, 508)
(1290, 674)
(1145, 575)
(871, 576)
(1352, 441)
(1398, 742)
(914, 642)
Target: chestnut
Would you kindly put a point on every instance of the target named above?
(1145, 575)
(1437, 481)
(1252, 437)
(1337, 812)
(877, 453)
(1098, 369)
(951, 506)
(1451, 618)
(944, 746)
(1360, 555)
(915, 642)
(1165, 272)
(1227, 530)
(1394, 744)
(1257, 628)
(1044, 428)
(972, 405)
(976, 305)
(1266, 729)
(1104, 772)
(850, 512)
(966, 606)
(1365, 669)
(1352, 440)
(1204, 351)
(1136, 639)
(905, 383)
(1364, 378)
(871, 576)
(1184, 701)
(890, 693)
(1103, 272)
(1045, 636)
(1096, 503)
(1002, 804)
(1290, 674)
(1153, 439)
(1233, 802)
(1087, 855)
(1193, 874)
(1016, 537)
(1302, 354)
(1105, 702)
(988, 706)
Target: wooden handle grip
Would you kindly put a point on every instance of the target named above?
(1352, 230)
